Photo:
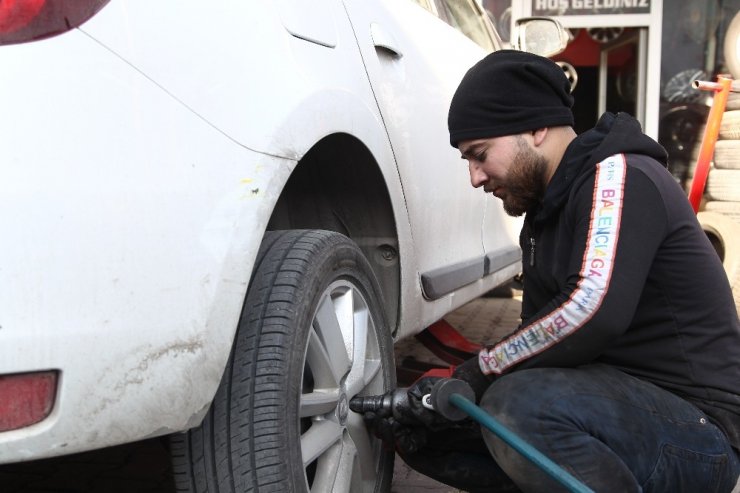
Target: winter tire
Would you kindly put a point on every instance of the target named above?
(732, 46)
(723, 233)
(678, 89)
(728, 209)
(312, 335)
(733, 99)
(723, 184)
(727, 154)
(605, 35)
(570, 73)
(730, 126)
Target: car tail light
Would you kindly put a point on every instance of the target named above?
(26, 398)
(29, 20)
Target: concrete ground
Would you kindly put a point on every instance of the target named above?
(143, 467)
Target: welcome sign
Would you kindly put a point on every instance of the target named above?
(589, 7)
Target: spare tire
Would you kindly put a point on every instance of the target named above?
(723, 232)
(726, 208)
(727, 154)
(733, 99)
(729, 128)
(732, 46)
(723, 184)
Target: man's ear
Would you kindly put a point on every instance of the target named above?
(538, 136)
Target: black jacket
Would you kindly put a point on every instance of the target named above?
(617, 270)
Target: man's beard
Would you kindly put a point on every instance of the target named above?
(525, 181)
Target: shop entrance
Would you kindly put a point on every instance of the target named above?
(607, 67)
(615, 51)
(654, 50)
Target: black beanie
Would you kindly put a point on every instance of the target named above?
(509, 92)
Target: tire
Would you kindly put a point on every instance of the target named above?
(312, 335)
(729, 128)
(727, 154)
(723, 184)
(727, 209)
(731, 47)
(570, 73)
(723, 233)
(733, 99)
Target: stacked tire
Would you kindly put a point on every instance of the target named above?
(721, 216)
(723, 233)
(723, 183)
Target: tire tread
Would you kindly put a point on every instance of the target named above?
(241, 440)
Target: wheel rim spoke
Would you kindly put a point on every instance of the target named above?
(337, 469)
(319, 361)
(318, 439)
(370, 370)
(356, 378)
(365, 455)
(342, 360)
(331, 318)
(318, 403)
(346, 473)
(366, 362)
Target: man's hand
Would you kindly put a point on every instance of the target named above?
(410, 421)
(469, 371)
(415, 413)
(407, 439)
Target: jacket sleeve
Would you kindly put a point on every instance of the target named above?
(619, 219)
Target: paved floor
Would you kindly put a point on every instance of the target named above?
(143, 467)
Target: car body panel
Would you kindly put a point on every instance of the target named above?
(140, 170)
(414, 92)
(129, 263)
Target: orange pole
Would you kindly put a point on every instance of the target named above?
(721, 90)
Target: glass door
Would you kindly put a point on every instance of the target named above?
(622, 75)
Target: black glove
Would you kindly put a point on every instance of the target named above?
(407, 439)
(415, 413)
(469, 371)
(407, 429)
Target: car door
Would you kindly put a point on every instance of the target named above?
(415, 62)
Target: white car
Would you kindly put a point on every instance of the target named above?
(218, 217)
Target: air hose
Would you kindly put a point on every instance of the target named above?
(526, 450)
(454, 399)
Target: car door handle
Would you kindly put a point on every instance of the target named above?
(384, 40)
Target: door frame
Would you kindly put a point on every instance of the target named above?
(652, 21)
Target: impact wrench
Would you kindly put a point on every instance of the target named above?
(454, 400)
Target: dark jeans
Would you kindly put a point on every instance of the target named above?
(613, 432)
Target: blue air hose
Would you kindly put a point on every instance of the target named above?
(510, 438)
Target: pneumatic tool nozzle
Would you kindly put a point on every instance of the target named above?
(391, 403)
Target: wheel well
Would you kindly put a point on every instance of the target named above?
(338, 186)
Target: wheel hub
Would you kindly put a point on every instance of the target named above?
(342, 408)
